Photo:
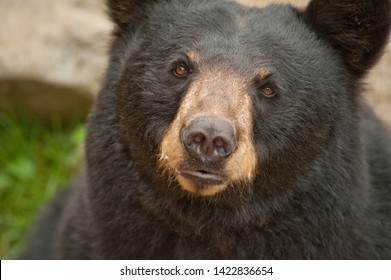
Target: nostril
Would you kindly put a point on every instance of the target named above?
(219, 142)
(223, 147)
(194, 139)
(198, 138)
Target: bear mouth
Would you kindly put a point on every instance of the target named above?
(203, 177)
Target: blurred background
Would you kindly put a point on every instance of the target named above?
(52, 58)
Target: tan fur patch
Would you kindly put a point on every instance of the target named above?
(193, 57)
(221, 94)
(209, 191)
(264, 73)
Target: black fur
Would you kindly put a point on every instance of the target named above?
(323, 189)
(123, 13)
(356, 28)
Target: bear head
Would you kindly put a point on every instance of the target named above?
(212, 96)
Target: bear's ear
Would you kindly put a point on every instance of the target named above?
(357, 29)
(122, 12)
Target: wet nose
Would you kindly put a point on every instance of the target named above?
(209, 139)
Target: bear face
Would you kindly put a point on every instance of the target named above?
(216, 96)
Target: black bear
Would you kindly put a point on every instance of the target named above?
(229, 132)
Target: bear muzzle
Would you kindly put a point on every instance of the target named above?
(208, 146)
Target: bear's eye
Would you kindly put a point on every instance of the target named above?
(181, 71)
(267, 91)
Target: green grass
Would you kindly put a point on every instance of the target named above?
(35, 160)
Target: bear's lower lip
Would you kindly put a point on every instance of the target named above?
(203, 177)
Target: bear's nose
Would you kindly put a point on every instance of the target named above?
(209, 139)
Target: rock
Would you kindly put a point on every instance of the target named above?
(52, 55)
(379, 87)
